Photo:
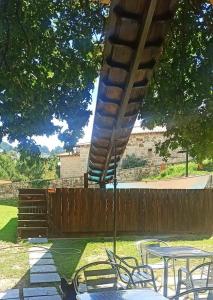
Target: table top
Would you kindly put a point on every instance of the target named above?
(178, 252)
(134, 294)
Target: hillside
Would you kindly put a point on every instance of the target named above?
(179, 170)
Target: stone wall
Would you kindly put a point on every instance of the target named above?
(10, 190)
(136, 174)
(210, 182)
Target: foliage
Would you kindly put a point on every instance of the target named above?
(50, 52)
(179, 170)
(8, 168)
(132, 161)
(180, 95)
(27, 168)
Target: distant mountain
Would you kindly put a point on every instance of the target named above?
(6, 147)
(57, 150)
(45, 152)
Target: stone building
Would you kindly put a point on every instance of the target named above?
(141, 143)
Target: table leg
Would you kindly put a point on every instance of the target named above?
(165, 276)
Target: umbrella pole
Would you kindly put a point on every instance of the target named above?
(115, 202)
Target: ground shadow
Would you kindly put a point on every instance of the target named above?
(67, 254)
(9, 202)
(9, 232)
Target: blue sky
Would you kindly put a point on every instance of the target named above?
(53, 141)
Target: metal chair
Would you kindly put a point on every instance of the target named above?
(142, 250)
(98, 276)
(141, 275)
(193, 293)
(199, 277)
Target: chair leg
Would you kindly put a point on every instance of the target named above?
(178, 288)
(174, 273)
(154, 285)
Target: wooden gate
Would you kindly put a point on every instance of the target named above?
(32, 213)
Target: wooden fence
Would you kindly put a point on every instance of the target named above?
(75, 212)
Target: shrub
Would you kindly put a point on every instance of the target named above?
(132, 161)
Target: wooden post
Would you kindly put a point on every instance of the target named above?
(86, 180)
(187, 163)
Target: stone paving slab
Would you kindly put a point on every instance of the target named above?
(56, 297)
(42, 261)
(39, 291)
(37, 240)
(42, 269)
(39, 255)
(39, 249)
(44, 277)
(10, 294)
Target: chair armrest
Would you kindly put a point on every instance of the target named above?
(183, 270)
(128, 258)
(187, 280)
(139, 267)
(200, 266)
(127, 272)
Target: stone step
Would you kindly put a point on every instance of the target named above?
(55, 297)
(12, 294)
(43, 269)
(40, 255)
(40, 249)
(42, 261)
(44, 278)
(39, 291)
(37, 240)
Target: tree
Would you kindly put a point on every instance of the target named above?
(57, 150)
(180, 96)
(27, 168)
(44, 150)
(50, 52)
(8, 167)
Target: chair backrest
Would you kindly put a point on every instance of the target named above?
(210, 274)
(114, 261)
(96, 276)
(144, 244)
(194, 292)
(120, 270)
(205, 271)
(113, 258)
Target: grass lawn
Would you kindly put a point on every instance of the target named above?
(70, 254)
(179, 170)
(13, 256)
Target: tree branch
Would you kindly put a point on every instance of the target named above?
(18, 6)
